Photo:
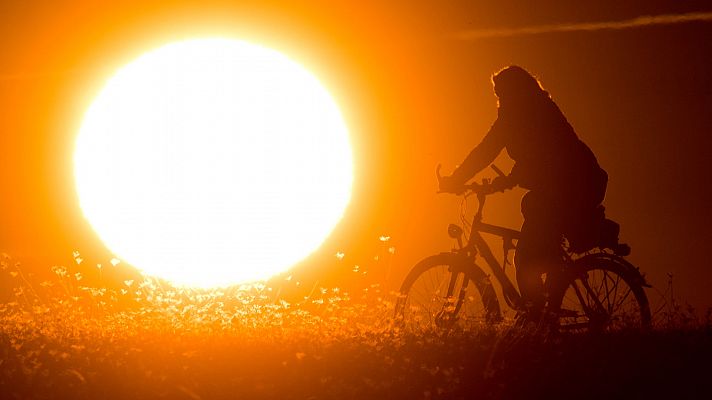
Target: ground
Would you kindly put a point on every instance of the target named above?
(62, 340)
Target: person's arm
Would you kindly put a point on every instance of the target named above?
(481, 156)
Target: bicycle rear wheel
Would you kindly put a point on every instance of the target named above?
(602, 293)
(445, 290)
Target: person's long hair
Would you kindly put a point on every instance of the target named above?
(515, 84)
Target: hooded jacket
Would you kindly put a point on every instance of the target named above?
(548, 155)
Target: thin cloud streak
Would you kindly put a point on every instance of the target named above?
(646, 20)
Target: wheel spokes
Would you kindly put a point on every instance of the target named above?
(597, 314)
(600, 299)
(439, 296)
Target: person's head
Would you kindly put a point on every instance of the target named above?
(514, 82)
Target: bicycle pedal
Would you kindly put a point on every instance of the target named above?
(568, 313)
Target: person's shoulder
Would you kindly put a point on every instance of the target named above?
(551, 104)
(505, 122)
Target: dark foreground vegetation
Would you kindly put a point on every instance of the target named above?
(62, 340)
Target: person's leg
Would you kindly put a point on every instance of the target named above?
(537, 254)
(538, 250)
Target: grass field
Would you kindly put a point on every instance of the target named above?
(60, 339)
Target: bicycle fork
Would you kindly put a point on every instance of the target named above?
(451, 307)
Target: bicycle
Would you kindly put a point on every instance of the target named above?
(595, 291)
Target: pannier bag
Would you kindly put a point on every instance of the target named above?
(596, 231)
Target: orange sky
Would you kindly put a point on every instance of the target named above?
(413, 96)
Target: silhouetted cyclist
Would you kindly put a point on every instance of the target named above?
(565, 181)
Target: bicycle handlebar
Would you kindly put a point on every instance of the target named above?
(481, 189)
(484, 189)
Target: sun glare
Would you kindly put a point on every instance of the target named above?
(211, 162)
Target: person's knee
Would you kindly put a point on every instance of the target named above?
(529, 279)
(537, 257)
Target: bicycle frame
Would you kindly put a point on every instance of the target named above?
(579, 292)
(476, 244)
(583, 295)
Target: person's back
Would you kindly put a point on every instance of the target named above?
(565, 181)
(545, 147)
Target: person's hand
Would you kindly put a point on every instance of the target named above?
(449, 185)
(502, 183)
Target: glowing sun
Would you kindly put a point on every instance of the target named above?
(211, 162)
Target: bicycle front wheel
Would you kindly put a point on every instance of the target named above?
(602, 293)
(446, 290)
